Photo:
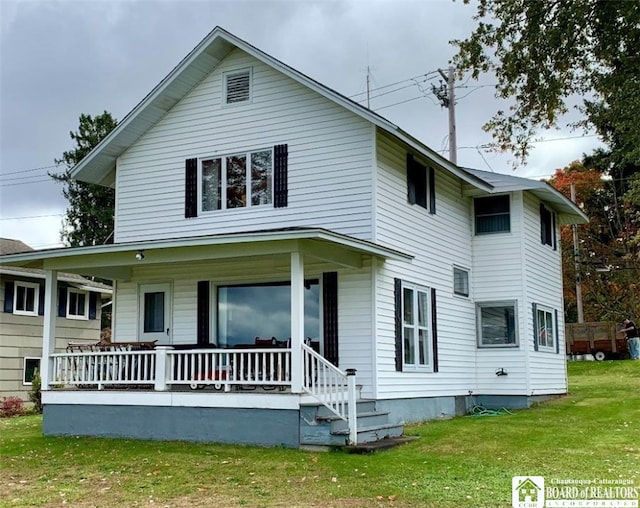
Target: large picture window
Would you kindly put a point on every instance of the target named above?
(497, 324)
(492, 214)
(415, 327)
(263, 310)
(237, 181)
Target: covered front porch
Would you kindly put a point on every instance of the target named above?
(175, 302)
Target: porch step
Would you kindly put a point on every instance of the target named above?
(383, 444)
(320, 427)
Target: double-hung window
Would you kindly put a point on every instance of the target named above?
(460, 281)
(547, 227)
(25, 298)
(497, 324)
(237, 181)
(77, 304)
(416, 344)
(492, 214)
(545, 328)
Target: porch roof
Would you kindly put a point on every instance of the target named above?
(115, 261)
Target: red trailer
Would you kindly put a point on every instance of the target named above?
(601, 339)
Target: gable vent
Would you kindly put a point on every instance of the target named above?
(238, 87)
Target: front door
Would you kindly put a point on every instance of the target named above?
(155, 313)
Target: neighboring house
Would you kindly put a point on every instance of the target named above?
(21, 320)
(272, 233)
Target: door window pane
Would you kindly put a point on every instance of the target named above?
(154, 312)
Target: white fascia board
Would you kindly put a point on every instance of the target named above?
(23, 259)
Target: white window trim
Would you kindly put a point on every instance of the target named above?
(497, 303)
(468, 272)
(228, 74)
(547, 310)
(418, 367)
(36, 297)
(24, 368)
(223, 170)
(82, 317)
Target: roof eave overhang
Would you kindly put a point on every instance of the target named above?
(118, 259)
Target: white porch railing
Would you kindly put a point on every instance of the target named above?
(266, 367)
(222, 368)
(335, 389)
(98, 368)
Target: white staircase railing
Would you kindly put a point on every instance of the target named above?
(333, 388)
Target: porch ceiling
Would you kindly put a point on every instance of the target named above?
(117, 261)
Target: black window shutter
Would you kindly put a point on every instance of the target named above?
(8, 296)
(330, 316)
(556, 329)
(434, 329)
(535, 327)
(432, 191)
(62, 302)
(203, 311)
(397, 294)
(553, 226)
(93, 305)
(280, 177)
(543, 224)
(191, 188)
(41, 300)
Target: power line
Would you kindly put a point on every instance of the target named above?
(33, 216)
(4, 173)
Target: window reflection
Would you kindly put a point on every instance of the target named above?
(264, 310)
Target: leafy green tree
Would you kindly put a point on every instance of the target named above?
(546, 54)
(89, 216)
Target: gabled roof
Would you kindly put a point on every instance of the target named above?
(568, 211)
(99, 165)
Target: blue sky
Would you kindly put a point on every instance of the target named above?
(59, 59)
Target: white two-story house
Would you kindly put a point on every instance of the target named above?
(284, 251)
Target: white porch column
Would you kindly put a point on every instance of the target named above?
(49, 329)
(297, 320)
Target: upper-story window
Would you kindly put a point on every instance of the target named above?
(237, 181)
(25, 298)
(421, 189)
(547, 227)
(492, 214)
(77, 304)
(237, 86)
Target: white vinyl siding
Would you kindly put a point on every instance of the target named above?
(436, 241)
(329, 164)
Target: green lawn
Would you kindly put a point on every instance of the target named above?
(465, 462)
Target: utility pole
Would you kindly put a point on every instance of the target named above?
(576, 261)
(448, 100)
(368, 73)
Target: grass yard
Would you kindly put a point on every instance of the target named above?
(594, 432)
